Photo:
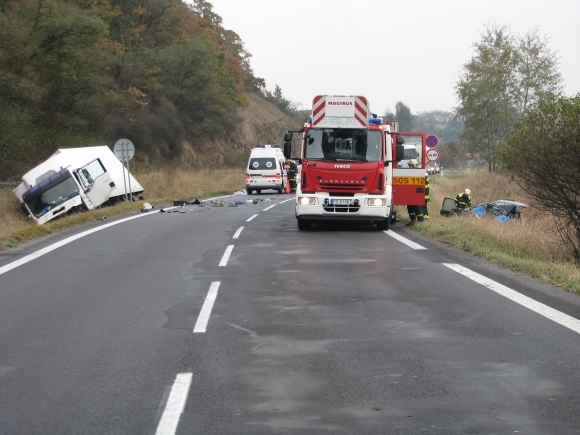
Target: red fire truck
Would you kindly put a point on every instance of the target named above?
(348, 160)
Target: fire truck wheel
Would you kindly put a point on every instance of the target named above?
(394, 217)
(383, 225)
(304, 224)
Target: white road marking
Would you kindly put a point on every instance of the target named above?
(238, 233)
(226, 256)
(546, 311)
(403, 239)
(248, 220)
(203, 318)
(66, 241)
(175, 404)
(268, 208)
(286, 200)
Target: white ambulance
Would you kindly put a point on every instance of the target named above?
(265, 169)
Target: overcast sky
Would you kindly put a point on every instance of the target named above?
(388, 50)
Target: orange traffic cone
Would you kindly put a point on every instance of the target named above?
(287, 189)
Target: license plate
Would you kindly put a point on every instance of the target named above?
(341, 201)
(256, 176)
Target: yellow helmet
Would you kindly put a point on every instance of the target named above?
(413, 162)
(467, 192)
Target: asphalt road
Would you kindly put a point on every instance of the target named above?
(187, 323)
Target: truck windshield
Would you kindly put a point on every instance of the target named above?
(40, 201)
(343, 144)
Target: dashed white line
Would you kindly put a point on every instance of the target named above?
(237, 234)
(175, 404)
(403, 240)
(203, 318)
(268, 208)
(286, 200)
(226, 256)
(252, 217)
(546, 311)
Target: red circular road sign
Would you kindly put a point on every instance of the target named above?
(433, 155)
(431, 141)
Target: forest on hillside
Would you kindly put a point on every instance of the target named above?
(162, 73)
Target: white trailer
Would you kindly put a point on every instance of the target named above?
(74, 178)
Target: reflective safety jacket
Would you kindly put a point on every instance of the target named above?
(463, 200)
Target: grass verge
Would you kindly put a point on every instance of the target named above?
(529, 245)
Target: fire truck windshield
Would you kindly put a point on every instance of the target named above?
(343, 144)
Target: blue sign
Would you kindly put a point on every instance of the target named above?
(431, 141)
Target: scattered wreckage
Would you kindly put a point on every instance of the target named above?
(502, 209)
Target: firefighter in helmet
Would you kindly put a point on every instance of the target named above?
(463, 199)
(292, 176)
(427, 198)
(415, 211)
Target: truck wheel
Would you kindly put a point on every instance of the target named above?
(250, 191)
(304, 224)
(394, 217)
(383, 225)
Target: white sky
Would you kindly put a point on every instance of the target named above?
(388, 50)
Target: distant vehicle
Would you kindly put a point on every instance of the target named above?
(433, 169)
(73, 178)
(265, 169)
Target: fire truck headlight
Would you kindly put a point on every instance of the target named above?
(372, 202)
(305, 200)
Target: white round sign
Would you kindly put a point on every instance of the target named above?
(124, 150)
(433, 155)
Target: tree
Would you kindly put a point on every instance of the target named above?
(403, 115)
(506, 77)
(543, 154)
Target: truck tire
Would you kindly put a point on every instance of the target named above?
(384, 224)
(250, 191)
(393, 217)
(304, 224)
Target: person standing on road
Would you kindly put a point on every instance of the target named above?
(415, 211)
(427, 198)
(292, 176)
(463, 199)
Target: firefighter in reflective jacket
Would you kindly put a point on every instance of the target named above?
(463, 199)
(292, 176)
(415, 211)
(427, 198)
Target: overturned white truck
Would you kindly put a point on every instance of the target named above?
(74, 178)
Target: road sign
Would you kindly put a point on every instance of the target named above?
(433, 155)
(431, 141)
(124, 150)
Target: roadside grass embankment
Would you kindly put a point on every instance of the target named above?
(529, 245)
(161, 187)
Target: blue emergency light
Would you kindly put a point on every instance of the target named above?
(377, 121)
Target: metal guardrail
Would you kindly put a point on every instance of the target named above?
(9, 185)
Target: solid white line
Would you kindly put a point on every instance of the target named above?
(268, 208)
(248, 220)
(403, 240)
(201, 324)
(175, 404)
(546, 311)
(226, 256)
(238, 233)
(57, 245)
